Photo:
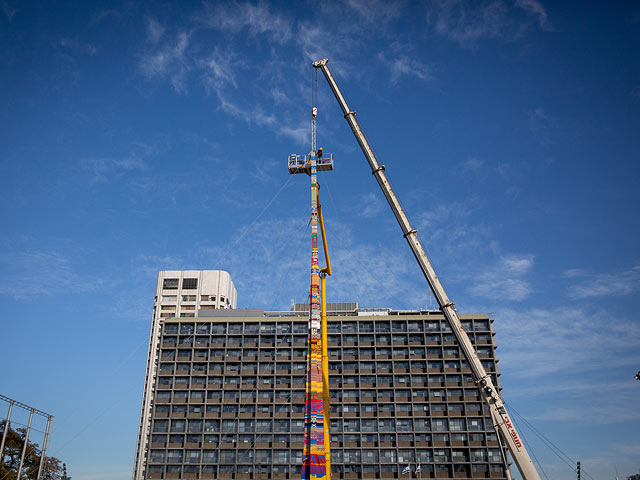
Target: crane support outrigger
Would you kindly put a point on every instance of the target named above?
(490, 394)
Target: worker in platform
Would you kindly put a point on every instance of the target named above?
(319, 153)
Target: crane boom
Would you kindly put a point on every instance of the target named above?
(482, 378)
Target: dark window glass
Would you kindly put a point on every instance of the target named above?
(189, 283)
(170, 284)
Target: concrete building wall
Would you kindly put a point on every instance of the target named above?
(181, 294)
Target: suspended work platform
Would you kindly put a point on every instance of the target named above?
(302, 163)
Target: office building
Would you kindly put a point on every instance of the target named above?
(225, 391)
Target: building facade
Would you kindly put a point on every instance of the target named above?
(179, 294)
(225, 394)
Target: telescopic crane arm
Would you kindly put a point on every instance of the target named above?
(484, 381)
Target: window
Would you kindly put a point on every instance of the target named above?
(193, 456)
(387, 456)
(399, 338)
(366, 327)
(441, 455)
(264, 426)
(349, 327)
(436, 393)
(478, 455)
(219, 328)
(457, 424)
(161, 426)
(281, 425)
(475, 424)
(189, 283)
(210, 456)
(268, 328)
(404, 425)
(439, 424)
(178, 425)
(370, 456)
(401, 366)
(284, 327)
(281, 456)
(494, 455)
(424, 455)
(195, 426)
(351, 456)
(383, 327)
(384, 365)
(227, 456)
(386, 424)
(163, 395)
(405, 456)
(351, 425)
(459, 456)
(174, 456)
(170, 284)
(415, 326)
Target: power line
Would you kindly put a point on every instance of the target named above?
(554, 448)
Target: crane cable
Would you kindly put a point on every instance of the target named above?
(554, 448)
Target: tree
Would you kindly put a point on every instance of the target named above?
(51, 470)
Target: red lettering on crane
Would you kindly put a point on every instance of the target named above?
(512, 432)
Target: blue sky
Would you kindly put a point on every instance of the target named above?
(143, 137)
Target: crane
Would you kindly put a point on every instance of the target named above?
(490, 394)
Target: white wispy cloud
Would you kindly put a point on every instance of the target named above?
(313, 41)
(474, 164)
(403, 65)
(78, 45)
(220, 69)
(8, 10)
(467, 23)
(256, 116)
(504, 280)
(168, 60)
(447, 228)
(542, 124)
(582, 403)
(536, 9)
(101, 168)
(603, 284)
(155, 30)
(257, 18)
(369, 205)
(32, 272)
(299, 134)
(568, 340)
(376, 11)
(270, 265)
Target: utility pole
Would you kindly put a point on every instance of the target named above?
(578, 470)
